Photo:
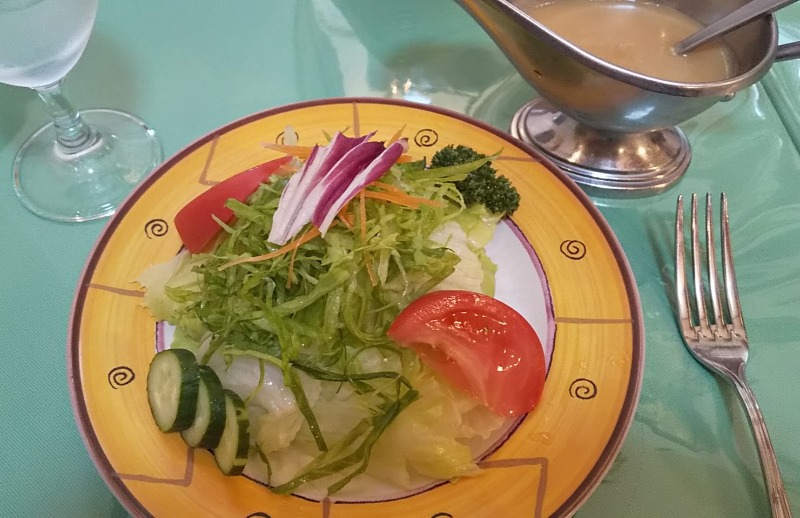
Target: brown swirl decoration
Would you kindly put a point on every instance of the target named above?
(156, 228)
(426, 138)
(583, 388)
(258, 515)
(442, 515)
(120, 376)
(573, 249)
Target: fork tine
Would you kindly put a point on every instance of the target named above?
(713, 279)
(731, 288)
(697, 271)
(681, 288)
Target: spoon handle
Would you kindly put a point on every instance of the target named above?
(748, 12)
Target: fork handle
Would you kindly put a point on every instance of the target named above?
(769, 464)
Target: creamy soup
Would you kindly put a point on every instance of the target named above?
(635, 35)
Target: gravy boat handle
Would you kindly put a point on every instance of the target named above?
(788, 51)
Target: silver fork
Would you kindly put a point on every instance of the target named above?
(719, 341)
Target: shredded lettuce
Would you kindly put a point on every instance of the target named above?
(169, 287)
(302, 336)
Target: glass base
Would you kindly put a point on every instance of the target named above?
(605, 163)
(92, 183)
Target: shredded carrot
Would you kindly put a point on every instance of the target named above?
(394, 138)
(387, 187)
(362, 207)
(345, 217)
(397, 135)
(292, 245)
(298, 151)
(403, 199)
(347, 220)
(344, 209)
(402, 159)
(286, 169)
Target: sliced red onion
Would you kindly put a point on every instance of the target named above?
(330, 177)
(327, 210)
(287, 220)
(344, 172)
(335, 182)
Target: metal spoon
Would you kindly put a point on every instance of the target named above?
(729, 22)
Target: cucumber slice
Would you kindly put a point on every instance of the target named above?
(231, 453)
(172, 386)
(209, 420)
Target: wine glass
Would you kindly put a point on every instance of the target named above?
(81, 165)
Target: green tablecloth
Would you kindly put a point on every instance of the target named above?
(189, 67)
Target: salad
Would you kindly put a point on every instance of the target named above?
(333, 322)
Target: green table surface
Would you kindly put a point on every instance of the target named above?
(189, 67)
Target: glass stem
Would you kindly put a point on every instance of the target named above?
(73, 135)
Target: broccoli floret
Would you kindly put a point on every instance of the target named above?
(483, 185)
(495, 192)
(454, 155)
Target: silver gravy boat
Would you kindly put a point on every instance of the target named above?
(613, 130)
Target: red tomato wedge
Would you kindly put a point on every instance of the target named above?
(194, 222)
(478, 344)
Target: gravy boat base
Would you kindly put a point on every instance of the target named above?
(604, 162)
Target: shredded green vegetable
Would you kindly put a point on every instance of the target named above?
(318, 308)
